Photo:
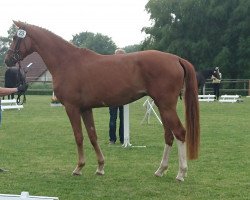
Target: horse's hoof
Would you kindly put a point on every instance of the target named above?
(3, 170)
(160, 172)
(99, 172)
(76, 173)
(181, 174)
(179, 179)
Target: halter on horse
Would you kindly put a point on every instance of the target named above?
(96, 80)
(15, 76)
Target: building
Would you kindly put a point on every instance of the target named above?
(37, 71)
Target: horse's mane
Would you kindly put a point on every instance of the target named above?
(37, 29)
(31, 28)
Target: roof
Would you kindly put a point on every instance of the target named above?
(36, 69)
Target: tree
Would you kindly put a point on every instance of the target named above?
(133, 48)
(3, 49)
(207, 33)
(5, 43)
(97, 42)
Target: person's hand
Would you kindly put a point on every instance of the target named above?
(22, 88)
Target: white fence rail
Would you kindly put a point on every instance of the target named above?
(228, 86)
(25, 196)
(10, 104)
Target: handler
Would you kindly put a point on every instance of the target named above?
(216, 79)
(113, 111)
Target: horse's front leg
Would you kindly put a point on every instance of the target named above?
(88, 120)
(75, 120)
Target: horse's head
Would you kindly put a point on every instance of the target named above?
(216, 72)
(20, 47)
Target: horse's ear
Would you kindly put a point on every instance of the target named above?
(19, 23)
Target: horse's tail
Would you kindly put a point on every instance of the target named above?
(191, 110)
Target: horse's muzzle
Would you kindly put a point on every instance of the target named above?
(10, 62)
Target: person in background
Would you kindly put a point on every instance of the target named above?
(113, 111)
(216, 79)
(7, 91)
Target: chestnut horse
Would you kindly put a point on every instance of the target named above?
(95, 80)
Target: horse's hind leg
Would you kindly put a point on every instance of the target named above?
(75, 120)
(171, 120)
(168, 145)
(88, 120)
(182, 160)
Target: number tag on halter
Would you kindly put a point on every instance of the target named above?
(21, 33)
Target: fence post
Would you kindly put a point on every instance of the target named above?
(126, 142)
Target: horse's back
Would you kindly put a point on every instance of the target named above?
(158, 61)
(161, 72)
(157, 65)
(155, 68)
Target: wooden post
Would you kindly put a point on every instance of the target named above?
(204, 89)
(126, 128)
(126, 142)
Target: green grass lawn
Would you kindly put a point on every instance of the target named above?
(38, 148)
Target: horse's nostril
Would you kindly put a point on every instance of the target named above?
(6, 62)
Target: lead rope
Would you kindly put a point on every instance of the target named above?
(22, 82)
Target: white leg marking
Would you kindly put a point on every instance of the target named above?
(164, 162)
(100, 170)
(182, 160)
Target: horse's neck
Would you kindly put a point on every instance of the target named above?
(207, 73)
(51, 48)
